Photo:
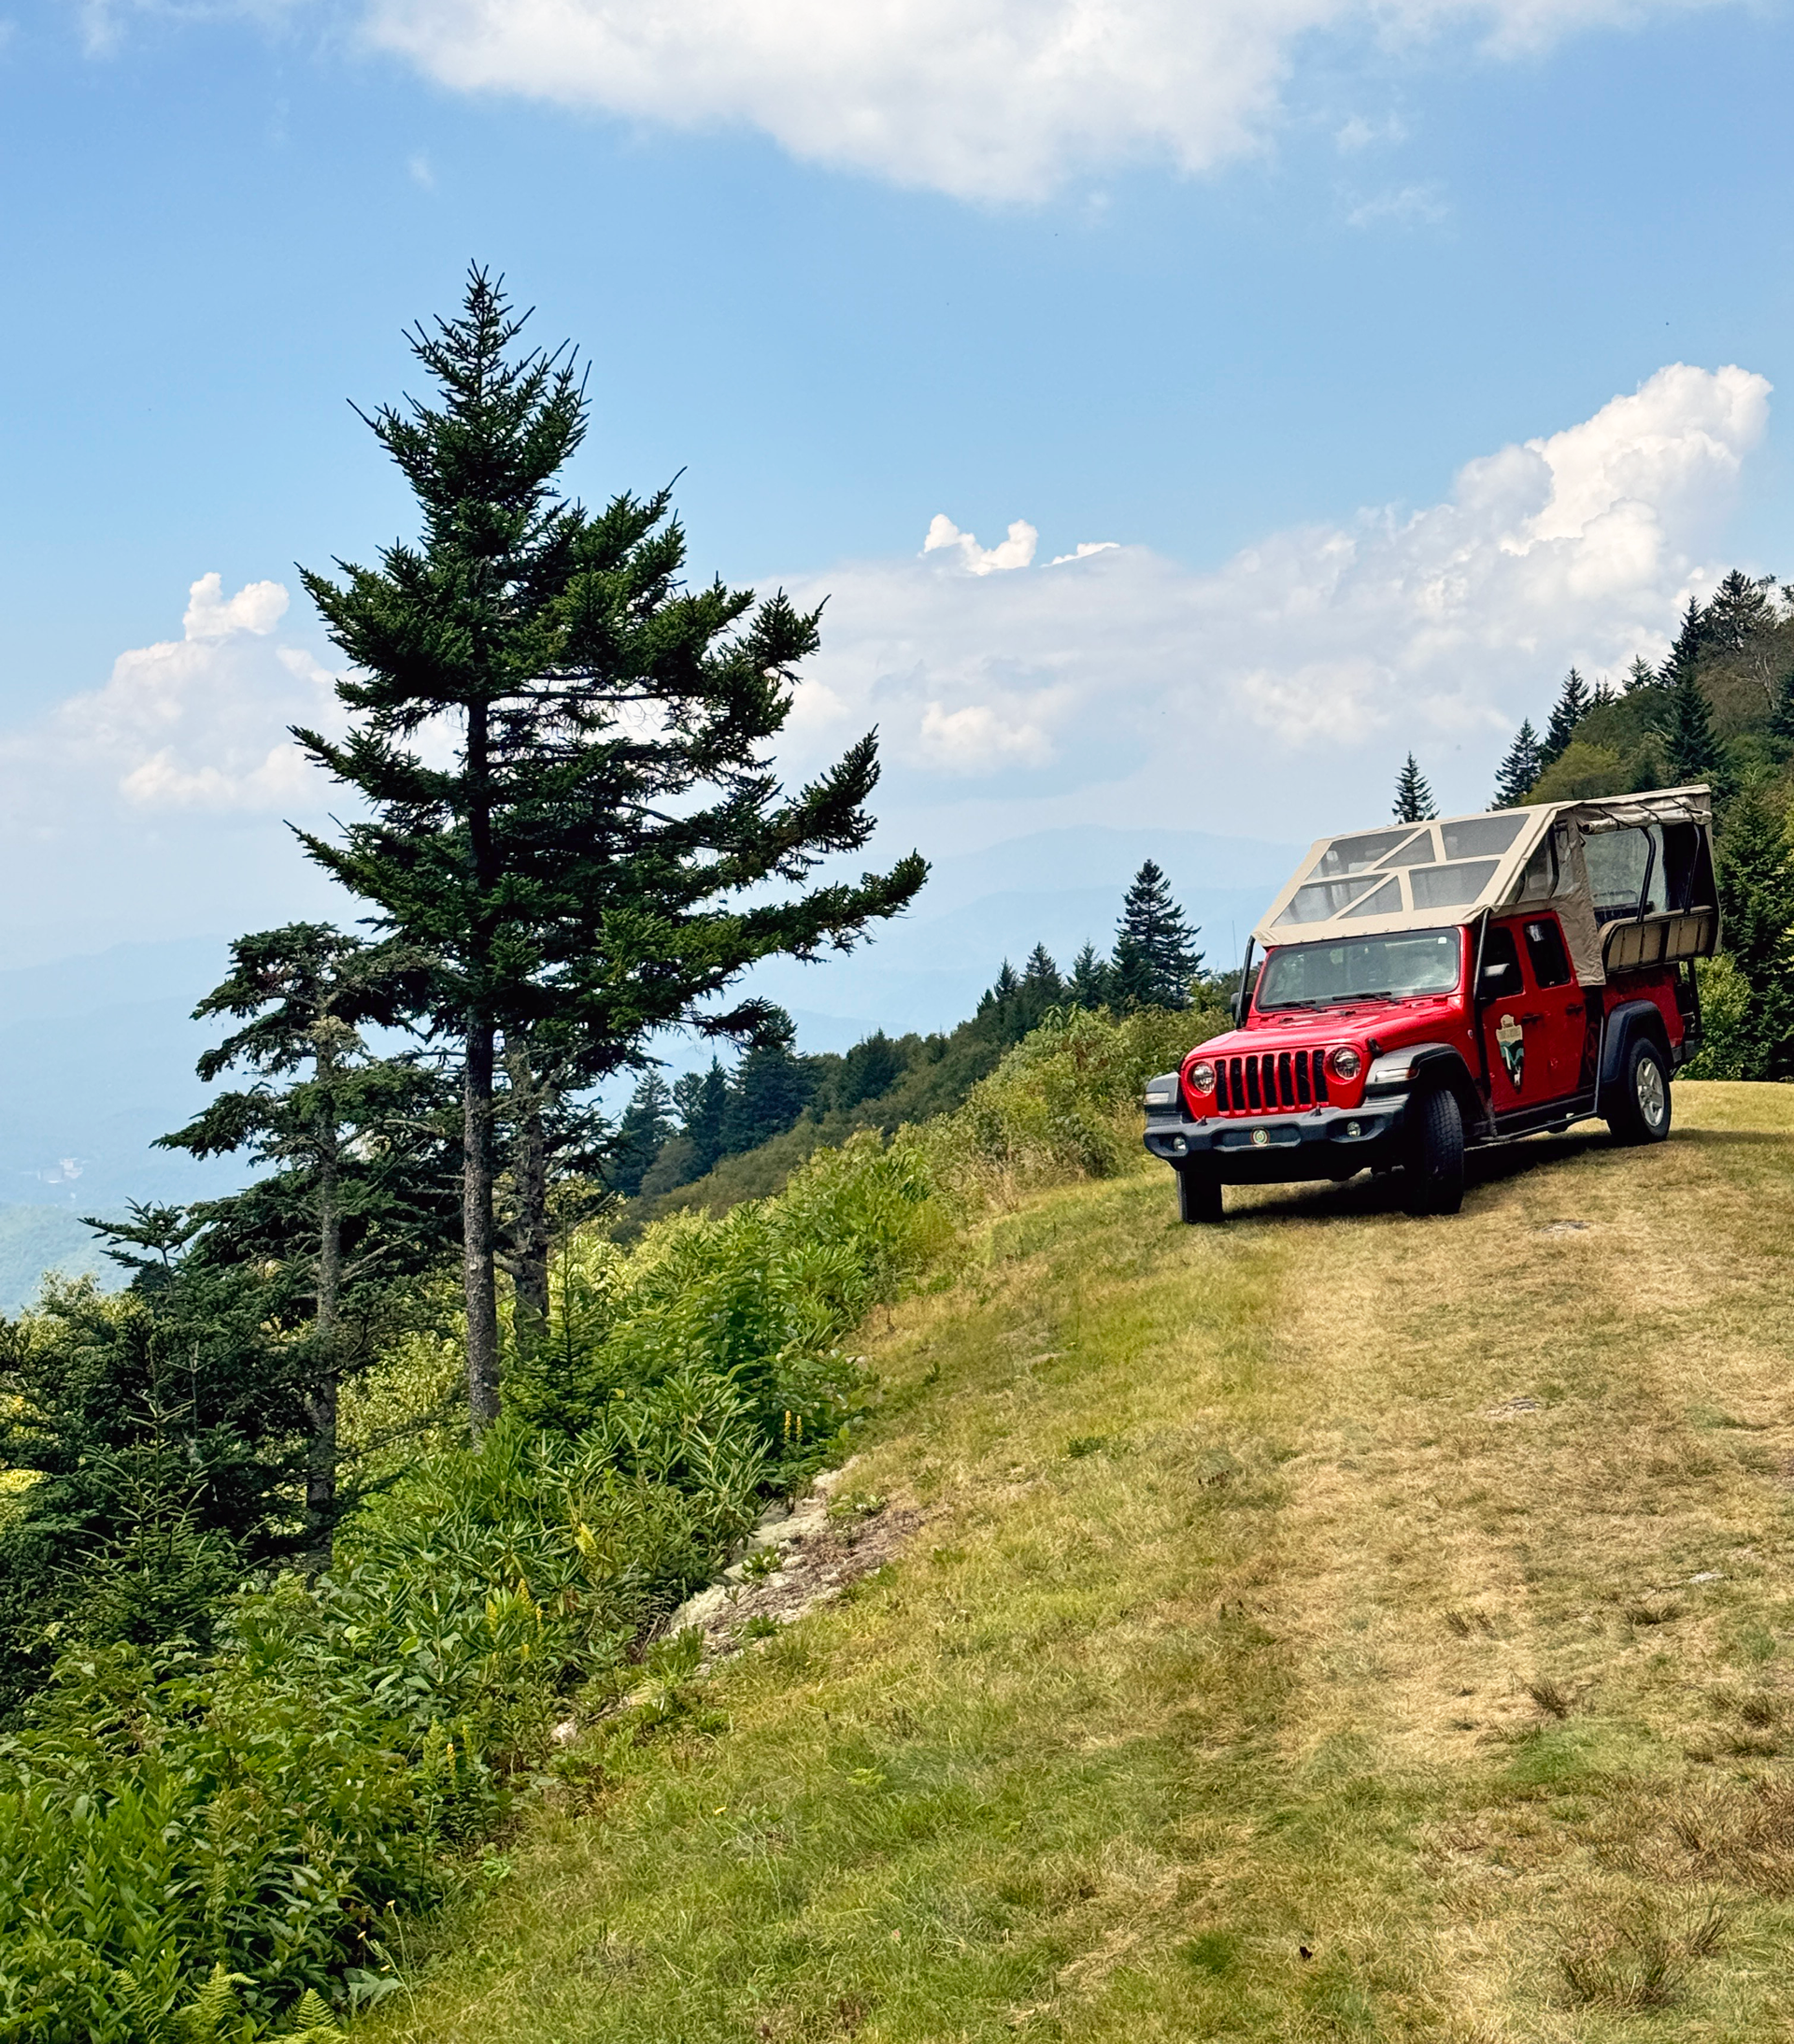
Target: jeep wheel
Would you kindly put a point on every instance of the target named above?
(1435, 1169)
(1199, 1197)
(1641, 1094)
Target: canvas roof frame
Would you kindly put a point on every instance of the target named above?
(1452, 869)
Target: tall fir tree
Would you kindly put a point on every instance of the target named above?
(647, 1123)
(1521, 766)
(357, 1199)
(1000, 995)
(772, 1087)
(1090, 982)
(1413, 798)
(1693, 635)
(1572, 705)
(1641, 675)
(1041, 976)
(1741, 608)
(594, 853)
(1042, 988)
(702, 1101)
(869, 1069)
(1690, 751)
(1155, 955)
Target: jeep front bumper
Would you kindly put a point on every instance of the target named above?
(1324, 1142)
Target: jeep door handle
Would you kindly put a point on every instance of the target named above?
(1532, 1018)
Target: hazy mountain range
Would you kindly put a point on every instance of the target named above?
(1061, 888)
(97, 1053)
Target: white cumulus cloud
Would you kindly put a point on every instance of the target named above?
(1287, 674)
(1017, 552)
(156, 803)
(985, 99)
(197, 723)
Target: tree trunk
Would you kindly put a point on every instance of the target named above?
(530, 1195)
(476, 1227)
(479, 1275)
(320, 1400)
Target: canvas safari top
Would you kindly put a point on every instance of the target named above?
(1629, 877)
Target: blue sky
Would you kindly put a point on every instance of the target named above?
(1241, 290)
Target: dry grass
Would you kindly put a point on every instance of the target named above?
(1335, 1625)
(1642, 1954)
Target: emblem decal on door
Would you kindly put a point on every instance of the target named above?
(1511, 1038)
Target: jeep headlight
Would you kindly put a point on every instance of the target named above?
(1200, 1077)
(1345, 1063)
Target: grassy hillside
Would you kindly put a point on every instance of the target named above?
(1332, 1626)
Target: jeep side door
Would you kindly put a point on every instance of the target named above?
(1533, 1014)
(1560, 1037)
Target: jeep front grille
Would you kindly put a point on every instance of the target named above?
(1270, 1081)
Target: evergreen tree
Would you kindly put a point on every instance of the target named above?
(356, 1198)
(1755, 878)
(1521, 766)
(165, 1434)
(702, 1101)
(1641, 675)
(1090, 981)
(592, 853)
(1692, 637)
(1604, 694)
(1741, 608)
(1040, 979)
(1572, 705)
(1155, 955)
(1000, 996)
(646, 1124)
(1041, 991)
(772, 1088)
(1781, 722)
(1412, 798)
(1008, 1008)
(1691, 750)
(869, 1069)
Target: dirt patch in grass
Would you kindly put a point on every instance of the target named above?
(798, 1558)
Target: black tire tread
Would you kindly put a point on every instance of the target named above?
(1199, 1200)
(1436, 1171)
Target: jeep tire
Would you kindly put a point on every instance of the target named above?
(1198, 1197)
(1639, 1112)
(1436, 1162)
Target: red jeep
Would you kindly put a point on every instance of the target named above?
(1429, 988)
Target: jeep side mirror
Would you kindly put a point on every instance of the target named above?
(1493, 973)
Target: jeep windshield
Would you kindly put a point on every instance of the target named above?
(1362, 969)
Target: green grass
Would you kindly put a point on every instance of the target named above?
(1206, 1702)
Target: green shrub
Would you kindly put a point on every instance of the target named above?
(191, 1843)
(1731, 1027)
(759, 1297)
(1064, 1103)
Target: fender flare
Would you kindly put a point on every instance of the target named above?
(1630, 1019)
(1430, 1066)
